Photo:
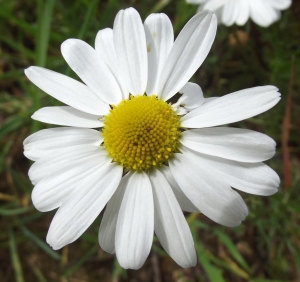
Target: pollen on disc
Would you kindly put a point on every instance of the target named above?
(141, 133)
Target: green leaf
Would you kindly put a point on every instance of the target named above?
(159, 6)
(118, 272)
(15, 257)
(232, 249)
(214, 274)
(10, 212)
(11, 124)
(40, 243)
(80, 262)
(38, 273)
(43, 31)
(90, 13)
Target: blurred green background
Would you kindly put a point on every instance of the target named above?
(266, 247)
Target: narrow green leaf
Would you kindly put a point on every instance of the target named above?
(38, 273)
(42, 38)
(80, 262)
(8, 16)
(214, 274)
(91, 11)
(118, 272)
(296, 255)
(232, 249)
(159, 6)
(200, 224)
(12, 74)
(15, 257)
(17, 46)
(45, 9)
(11, 124)
(40, 243)
(4, 153)
(265, 280)
(231, 266)
(5, 212)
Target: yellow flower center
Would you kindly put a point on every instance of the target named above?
(141, 133)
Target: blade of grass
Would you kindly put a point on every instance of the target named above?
(15, 257)
(11, 124)
(159, 6)
(80, 262)
(118, 272)
(91, 11)
(19, 48)
(229, 265)
(191, 218)
(214, 274)
(43, 31)
(38, 273)
(8, 16)
(18, 211)
(296, 255)
(232, 249)
(11, 74)
(265, 280)
(45, 9)
(4, 153)
(21, 180)
(40, 243)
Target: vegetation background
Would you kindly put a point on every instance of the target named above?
(266, 247)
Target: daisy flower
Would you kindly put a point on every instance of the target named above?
(262, 12)
(147, 159)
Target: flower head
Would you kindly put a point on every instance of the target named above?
(151, 159)
(262, 12)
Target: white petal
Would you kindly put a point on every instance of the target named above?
(107, 230)
(214, 5)
(57, 161)
(84, 205)
(244, 12)
(67, 90)
(47, 141)
(281, 4)
(52, 191)
(187, 54)
(104, 45)
(135, 225)
(253, 178)
(207, 100)
(67, 116)
(182, 199)
(262, 13)
(192, 95)
(212, 196)
(195, 1)
(230, 143)
(89, 66)
(230, 12)
(180, 111)
(159, 39)
(170, 225)
(233, 107)
(131, 50)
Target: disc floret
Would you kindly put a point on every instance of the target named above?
(141, 133)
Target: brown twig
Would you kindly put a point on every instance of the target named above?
(286, 132)
(155, 267)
